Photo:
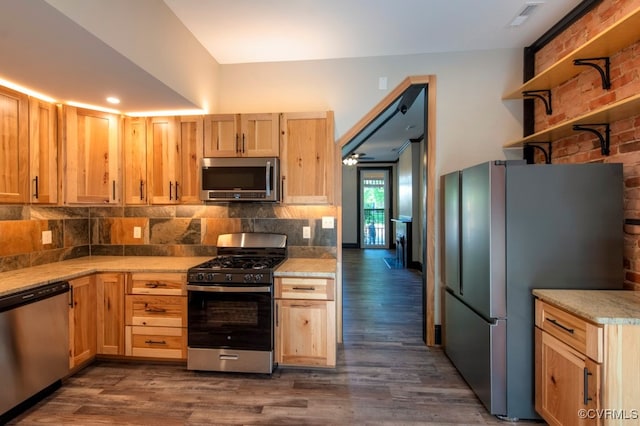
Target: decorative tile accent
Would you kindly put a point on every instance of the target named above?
(10, 263)
(172, 231)
(150, 211)
(14, 212)
(51, 212)
(213, 211)
(212, 227)
(76, 232)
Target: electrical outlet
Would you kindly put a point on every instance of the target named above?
(137, 232)
(306, 232)
(47, 238)
(327, 222)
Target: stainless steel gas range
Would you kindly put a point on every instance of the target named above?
(230, 312)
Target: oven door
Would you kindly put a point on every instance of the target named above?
(226, 317)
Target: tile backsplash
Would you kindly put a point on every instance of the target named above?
(184, 230)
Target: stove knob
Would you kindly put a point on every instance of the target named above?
(259, 277)
(200, 276)
(228, 277)
(247, 278)
(209, 277)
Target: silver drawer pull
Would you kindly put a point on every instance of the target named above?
(557, 324)
(155, 342)
(228, 357)
(304, 288)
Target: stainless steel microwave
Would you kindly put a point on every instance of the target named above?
(240, 179)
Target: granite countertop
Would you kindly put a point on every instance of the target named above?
(598, 306)
(28, 278)
(302, 267)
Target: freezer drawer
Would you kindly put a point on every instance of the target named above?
(478, 350)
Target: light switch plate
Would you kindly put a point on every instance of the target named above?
(327, 222)
(137, 232)
(306, 232)
(47, 238)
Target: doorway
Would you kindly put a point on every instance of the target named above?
(375, 214)
(425, 222)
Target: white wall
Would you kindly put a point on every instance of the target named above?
(472, 122)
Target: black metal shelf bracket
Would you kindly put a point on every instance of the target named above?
(540, 94)
(604, 140)
(527, 151)
(605, 74)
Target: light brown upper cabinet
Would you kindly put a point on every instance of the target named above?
(241, 135)
(306, 155)
(135, 161)
(174, 145)
(14, 148)
(43, 152)
(91, 144)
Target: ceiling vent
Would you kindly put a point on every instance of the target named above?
(527, 10)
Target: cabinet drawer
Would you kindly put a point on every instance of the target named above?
(171, 284)
(304, 288)
(576, 332)
(156, 342)
(163, 311)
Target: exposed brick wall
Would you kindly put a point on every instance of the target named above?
(583, 94)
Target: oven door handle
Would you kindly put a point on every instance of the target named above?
(228, 289)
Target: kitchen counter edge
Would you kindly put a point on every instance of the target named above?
(618, 307)
(34, 276)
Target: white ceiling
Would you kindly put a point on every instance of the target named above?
(48, 51)
(240, 31)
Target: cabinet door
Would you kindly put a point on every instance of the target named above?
(306, 155)
(260, 135)
(110, 313)
(43, 151)
(92, 156)
(135, 161)
(305, 331)
(566, 382)
(163, 150)
(14, 150)
(188, 184)
(82, 320)
(221, 135)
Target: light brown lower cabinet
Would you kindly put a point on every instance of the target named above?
(110, 290)
(305, 322)
(82, 320)
(585, 373)
(156, 316)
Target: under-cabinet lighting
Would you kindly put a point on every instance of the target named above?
(166, 113)
(93, 107)
(26, 91)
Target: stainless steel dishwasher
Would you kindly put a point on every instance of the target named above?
(34, 342)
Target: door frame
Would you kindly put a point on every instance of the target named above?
(427, 192)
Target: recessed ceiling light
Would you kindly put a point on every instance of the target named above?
(113, 100)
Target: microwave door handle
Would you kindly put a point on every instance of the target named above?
(268, 178)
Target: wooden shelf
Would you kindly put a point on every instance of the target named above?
(621, 34)
(616, 111)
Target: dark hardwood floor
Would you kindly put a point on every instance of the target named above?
(385, 375)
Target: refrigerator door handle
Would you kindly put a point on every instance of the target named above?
(460, 230)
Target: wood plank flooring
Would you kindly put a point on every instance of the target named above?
(385, 375)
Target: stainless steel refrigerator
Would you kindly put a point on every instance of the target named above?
(510, 227)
